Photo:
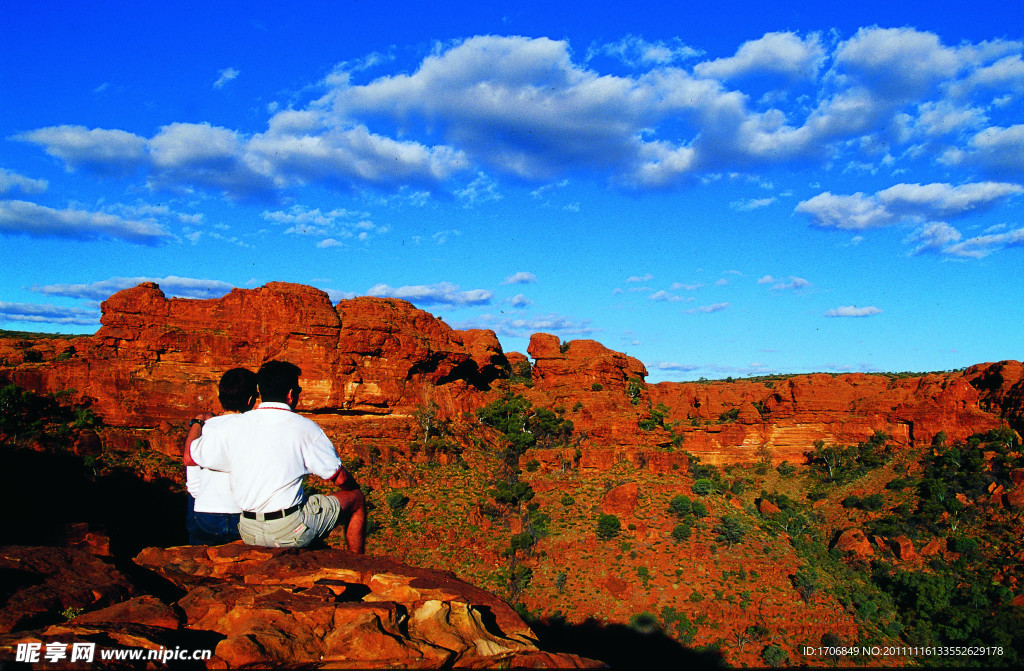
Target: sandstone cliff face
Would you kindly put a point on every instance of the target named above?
(369, 363)
(156, 361)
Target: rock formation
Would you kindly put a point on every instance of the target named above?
(369, 363)
(259, 608)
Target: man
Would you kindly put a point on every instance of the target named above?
(212, 517)
(266, 452)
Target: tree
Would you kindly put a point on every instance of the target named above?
(680, 505)
(731, 529)
(608, 526)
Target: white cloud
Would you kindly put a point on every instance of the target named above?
(779, 284)
(172, 285)
(226, 75)
(751, 204)
(18, 216)
(853, 311)
(779, 54)
(524, 107)
(327, 243)
(483, 189)
(933, 237)
(637, 52)
(443, 293)
(332, 224)
(714, 307)
(681, 367)
(666, 296)
(905, 202)
(521, 277)
(519, 301)
(640, 278)
(11, 181)
(47, 314)
(983, 245)
(519, 327)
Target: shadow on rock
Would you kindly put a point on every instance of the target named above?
(621, 647)
(51, 491)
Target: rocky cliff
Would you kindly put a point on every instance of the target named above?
(369, 363)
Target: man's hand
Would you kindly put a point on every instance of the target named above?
(194, 431)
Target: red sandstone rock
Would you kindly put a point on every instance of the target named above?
(854, 540)
(621, 500)
(904, 548)
(767, 508)
(277, 606)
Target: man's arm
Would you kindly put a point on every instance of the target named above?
(344, 479)
(195, 430)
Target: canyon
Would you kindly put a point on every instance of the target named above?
(383, 377)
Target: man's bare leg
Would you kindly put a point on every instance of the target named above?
(353, 508)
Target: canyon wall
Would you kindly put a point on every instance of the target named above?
(369, 363)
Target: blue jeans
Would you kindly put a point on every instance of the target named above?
(210, 528)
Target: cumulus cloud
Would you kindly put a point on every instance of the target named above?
(853, 311)
(493, 105)
(783, 54)
(12, 181)
(521, 277)
(519, 301)
(680, 367)
(47, 314)
(18, 216)
(442, 293)
(172, 285)
(905, 203)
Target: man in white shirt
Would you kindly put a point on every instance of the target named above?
(266, 452)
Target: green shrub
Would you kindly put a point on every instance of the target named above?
(608, 526)
(773, 655)
(680, 505)
(703, 487)
(682, 531)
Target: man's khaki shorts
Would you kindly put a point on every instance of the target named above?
(314, 520)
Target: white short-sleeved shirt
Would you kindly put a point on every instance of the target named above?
(266, 452)
(211, 489)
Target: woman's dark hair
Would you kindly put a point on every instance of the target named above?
(237, 390)
(276, 378)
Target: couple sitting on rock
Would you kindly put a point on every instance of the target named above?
(245, 468)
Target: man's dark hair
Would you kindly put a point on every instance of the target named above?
(237, 390)
(276, 379)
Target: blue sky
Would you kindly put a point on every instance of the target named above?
(718, 189)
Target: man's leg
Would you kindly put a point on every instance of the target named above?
(353, 509)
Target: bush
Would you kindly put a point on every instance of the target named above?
(872, 502)
(786, 469)
(396, 502)
(680, 505)
(608, 526)
(682, 531)
(773, 655)
(698, 509)
(732, 528)
(703, 487)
